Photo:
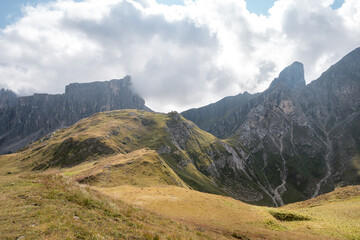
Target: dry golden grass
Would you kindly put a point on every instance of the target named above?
(214, 212)
(336, 214)
(48, 206)
(142, 167)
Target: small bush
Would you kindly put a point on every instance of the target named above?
(239, 236)
(288, 216)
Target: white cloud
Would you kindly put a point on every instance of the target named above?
(179, 56)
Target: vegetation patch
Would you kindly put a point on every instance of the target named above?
(275, 225)
(288, 216)
(239, 236)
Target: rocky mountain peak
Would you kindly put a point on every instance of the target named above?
(304, 136)
(7, 92)
(7, 98)
(93, 87)
(291, 77)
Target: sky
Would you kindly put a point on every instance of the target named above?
(180, 54)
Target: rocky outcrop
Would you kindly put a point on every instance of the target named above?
(25, 119)
(7, 99)
(291, 77)
(298, 140)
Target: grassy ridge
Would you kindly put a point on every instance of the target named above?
(142, 168)
(125, 131)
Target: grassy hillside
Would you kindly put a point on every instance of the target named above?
(332, 219)
(139, 168)
(49, 206)
(122, 132)
(336, 213)
(198, 158)
(129, 174)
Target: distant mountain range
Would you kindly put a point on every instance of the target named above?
(289, 143)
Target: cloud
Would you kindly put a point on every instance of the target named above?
(179, 56)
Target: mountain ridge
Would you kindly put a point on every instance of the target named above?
(28, 118)
(296, 136)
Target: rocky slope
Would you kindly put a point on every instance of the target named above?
(298, 140)
(25, 119)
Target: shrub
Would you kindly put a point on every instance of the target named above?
(289, 216)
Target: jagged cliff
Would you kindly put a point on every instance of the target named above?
(298, 140)
(25, 119)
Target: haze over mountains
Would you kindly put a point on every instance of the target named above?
(289, 143)
(101, 163)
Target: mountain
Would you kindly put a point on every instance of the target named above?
(298, 140)
(190, 156)
(25, 119)
(129, 174)
(289, 143)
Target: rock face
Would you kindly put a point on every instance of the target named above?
(297, 140)
(211, 118)
(25, 119)
(291, 77)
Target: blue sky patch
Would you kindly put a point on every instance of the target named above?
(337, 4)
(10, 10)
(171, 2)
(259, 6)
